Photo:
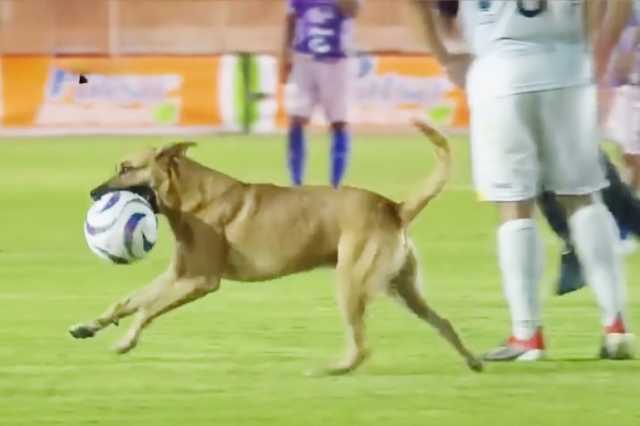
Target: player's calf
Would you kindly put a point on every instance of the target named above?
(340, 149)
(297, 151)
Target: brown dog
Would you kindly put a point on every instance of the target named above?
(225, 228)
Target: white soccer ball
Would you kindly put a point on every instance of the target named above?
(121, 227)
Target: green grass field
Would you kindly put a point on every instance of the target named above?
(238, 357)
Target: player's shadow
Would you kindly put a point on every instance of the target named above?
(574, 359)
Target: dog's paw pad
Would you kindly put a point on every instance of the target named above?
(124, 346)
(326, 371)
(82, 332)
(315, 372)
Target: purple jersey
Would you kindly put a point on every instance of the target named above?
(321, 28)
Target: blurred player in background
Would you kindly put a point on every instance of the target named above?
(624, 114)
(315, 57)
(619, 87)
(534, 124)
(622, 108)
(623, 203)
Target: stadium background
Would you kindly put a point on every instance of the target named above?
(205, 70)
(194, 65)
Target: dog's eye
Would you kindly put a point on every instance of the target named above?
(125, 169)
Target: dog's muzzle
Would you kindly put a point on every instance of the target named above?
(98, 192)
(142, 190)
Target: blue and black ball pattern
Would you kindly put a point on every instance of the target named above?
(121, 227)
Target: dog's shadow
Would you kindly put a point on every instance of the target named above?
(546, 366)
(596, 359)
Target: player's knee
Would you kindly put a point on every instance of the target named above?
(632, 161)
(339, 126)
(573, 203)
(298, 121)
(514, 210)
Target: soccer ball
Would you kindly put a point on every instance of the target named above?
(121, 227)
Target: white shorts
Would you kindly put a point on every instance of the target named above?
(320, 82)
(623, 122)
(525, 142)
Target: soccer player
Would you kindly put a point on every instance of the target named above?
(624, 115)
(534, 124)
(621, 201)
(316, 47)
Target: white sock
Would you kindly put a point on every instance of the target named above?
(595, 237)
(520, 253)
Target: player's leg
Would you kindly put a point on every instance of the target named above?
(631, 149)
(334, 94)
(554, 214)
(521, 259)
(624, 119)
(621, 200)
(505, 162)
(632, 143)
(571, 278)
(299, 105)
(632, 163)
(574, 171)
(621, 127)
(595, 236)
(297, 149)
(340, 150)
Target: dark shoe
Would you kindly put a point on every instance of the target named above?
(571, 278)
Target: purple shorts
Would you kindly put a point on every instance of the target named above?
(324, 82)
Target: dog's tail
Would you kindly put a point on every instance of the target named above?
(409, 209)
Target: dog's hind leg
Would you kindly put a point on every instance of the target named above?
(406, 286)
(123, 308)
(171, 296)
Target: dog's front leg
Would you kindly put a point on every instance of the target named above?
(177, 293)
(352, 301)
(124, 307)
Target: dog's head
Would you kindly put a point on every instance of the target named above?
(145, 173)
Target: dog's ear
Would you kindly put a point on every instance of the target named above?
(176, 149)
(164, 171)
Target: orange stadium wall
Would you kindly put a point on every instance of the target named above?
(145, 94)
(42, 92)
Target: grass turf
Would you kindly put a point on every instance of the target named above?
(238, 356)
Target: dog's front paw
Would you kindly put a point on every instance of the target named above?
(332, 370)
(350, 363)
(82, 331)
(125, 345)
(475, 364)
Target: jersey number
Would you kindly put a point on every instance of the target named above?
(528, 8)
(531, 8)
